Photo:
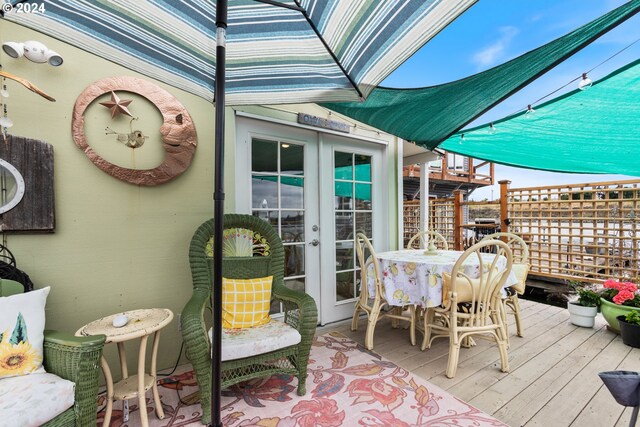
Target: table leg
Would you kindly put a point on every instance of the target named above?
(109, 382)
(124, 370)
(144, 420)
(156, 395)
(123, 360)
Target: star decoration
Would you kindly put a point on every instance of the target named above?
(117, 105)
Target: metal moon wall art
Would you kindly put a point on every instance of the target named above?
(178, 134)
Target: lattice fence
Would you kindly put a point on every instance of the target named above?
(441, 218)
(585, 231)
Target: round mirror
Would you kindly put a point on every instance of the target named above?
(11, 186)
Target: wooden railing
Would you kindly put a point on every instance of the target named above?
(587, 232)
(474, 170)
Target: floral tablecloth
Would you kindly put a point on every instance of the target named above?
(411, 277)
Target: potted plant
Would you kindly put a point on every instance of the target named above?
(618, 299)
(630, 328)
(583, 310)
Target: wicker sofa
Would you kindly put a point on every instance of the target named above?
(265, 259)
(76, 359)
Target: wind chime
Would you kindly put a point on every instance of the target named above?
(5, 121)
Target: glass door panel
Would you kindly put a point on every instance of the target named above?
(278, 195)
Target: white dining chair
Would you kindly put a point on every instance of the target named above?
(520, 268)
(420, 239)
(374, 305)
(471, 306)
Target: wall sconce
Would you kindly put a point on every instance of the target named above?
(34, 51)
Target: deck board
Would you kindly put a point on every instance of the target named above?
(553, 377)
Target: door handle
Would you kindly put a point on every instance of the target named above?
(314, 242)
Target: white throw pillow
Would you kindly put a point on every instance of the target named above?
(21, 333)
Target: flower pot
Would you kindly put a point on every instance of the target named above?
(610, 311)
(630, 332)
(582, 316)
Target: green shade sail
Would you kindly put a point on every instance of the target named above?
(430, 115)
(596, 130)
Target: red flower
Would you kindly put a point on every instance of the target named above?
(623, 296)
(318, 413)
(626, 291)
(377, 390)
(610, 283)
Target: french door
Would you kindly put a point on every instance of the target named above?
(317, 190)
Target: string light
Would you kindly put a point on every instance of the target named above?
(585, 83)
(492, 129)
(461, 138)
(530, 111)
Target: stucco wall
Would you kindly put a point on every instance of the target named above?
(116, 246)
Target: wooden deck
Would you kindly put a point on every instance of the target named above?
(553, 377)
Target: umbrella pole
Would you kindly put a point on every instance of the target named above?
(218, 211)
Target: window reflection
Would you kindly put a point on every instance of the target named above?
(277, 196)
(294, 260)
(353, 212)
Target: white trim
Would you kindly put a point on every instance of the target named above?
(425, 157)
(400, 194)
(315, 129)
(20, 187)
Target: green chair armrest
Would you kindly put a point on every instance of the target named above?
(192, 317)
(66, 339)
(300, 309)
(76, 359)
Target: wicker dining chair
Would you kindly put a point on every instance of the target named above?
(374, 305)
(419, 238)
(76, 359)
(520, 268)
(471, 306)
(261, 255)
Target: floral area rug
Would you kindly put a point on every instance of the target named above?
(347, 386)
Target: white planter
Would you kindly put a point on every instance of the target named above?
(582, 316)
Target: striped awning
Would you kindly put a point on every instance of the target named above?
(296, 51)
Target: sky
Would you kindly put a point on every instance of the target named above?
(494, 31)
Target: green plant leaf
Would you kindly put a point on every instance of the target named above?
(633, 317)
(19, 332)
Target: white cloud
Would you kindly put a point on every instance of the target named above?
(493, 53)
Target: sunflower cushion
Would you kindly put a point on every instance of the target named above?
(32, 400)
(21, 333)
(245, 302)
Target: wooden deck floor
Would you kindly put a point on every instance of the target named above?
(553, 377)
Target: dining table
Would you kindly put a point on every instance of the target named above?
(413, 277)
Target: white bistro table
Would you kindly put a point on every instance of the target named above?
(410, 277)
(142, 323)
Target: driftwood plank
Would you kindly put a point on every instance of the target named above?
(34, 160)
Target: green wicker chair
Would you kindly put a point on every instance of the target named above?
(76, 359)
(266, 258)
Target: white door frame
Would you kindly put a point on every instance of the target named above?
(320, 271)
(331, 310)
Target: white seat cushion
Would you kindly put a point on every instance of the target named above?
(240, 343)
(32, 400)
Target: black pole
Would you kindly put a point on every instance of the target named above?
(218, 211)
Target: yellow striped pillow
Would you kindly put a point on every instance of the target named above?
(245, 302)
